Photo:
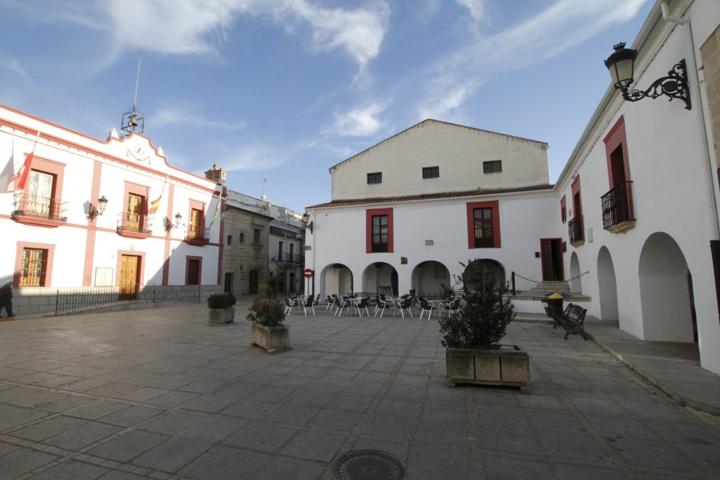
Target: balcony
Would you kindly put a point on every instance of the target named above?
(617, 208)
(576, 231)
(133, 225)
(37, 210)
(287, 258)
(197, 235)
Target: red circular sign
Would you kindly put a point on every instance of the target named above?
(308, 272)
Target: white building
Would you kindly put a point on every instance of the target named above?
(636, 206)
(159, 226)
(286, 241)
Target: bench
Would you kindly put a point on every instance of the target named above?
(572, 320)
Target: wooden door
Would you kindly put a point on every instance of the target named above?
(551, 259)
(617, 166)
(253, 287)
(129, 276)
(134, 212)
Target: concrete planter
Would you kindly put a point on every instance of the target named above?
(221, 316)
(504, 365)
(272, 339)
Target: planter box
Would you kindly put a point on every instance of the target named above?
(221, 316)
(505, 365)
(272, 339)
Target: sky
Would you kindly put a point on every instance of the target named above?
(278, 91)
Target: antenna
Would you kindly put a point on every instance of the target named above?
(263, 196)
(131, 121)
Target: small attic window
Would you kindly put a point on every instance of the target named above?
(375, 177)
(492, 166)
(431, 172)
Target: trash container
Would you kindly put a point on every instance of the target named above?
(555, 304)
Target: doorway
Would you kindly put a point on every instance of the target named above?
(129, 276)
(253, 282)
(552, 259)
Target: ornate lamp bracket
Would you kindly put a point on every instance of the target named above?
(674, 85)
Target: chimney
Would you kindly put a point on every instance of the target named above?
(217, 174)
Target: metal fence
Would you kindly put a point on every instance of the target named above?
(77, 299)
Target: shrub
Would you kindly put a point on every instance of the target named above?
(481, 318)
(221, 300)
(267, 311)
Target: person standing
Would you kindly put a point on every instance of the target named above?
(6, 299)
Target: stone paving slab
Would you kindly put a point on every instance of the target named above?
(680, 378)
(159, 394)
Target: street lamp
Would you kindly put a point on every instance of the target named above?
(307, 222)
(94, 211)
(621, 64)
(169, 225)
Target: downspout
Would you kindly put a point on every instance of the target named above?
(664, 7)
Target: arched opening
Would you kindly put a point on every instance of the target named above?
(380, 278)
(666, 291)
(478, 268)
(431, 279)
(336, 279)
(607, 286)
(575, 279)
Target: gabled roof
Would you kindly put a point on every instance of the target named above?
(429, 120)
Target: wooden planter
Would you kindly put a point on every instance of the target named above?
(272, 339)
(504, 365)
(221, 316)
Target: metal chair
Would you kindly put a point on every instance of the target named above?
(425, 306)
(406, 305)
(308, 304)
(362, 305)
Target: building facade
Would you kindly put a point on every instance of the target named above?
(287, 256)
(81, 212)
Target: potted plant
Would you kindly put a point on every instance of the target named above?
(472, 334)
(222, 310)
(268, 330)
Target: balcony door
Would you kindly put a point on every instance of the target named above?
(551, 259)
(40, 193)
(129, 276)
(134, 215)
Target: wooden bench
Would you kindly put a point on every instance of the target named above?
(572, 320)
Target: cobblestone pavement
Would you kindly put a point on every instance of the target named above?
(159, 394)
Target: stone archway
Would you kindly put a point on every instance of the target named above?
(380, 278)
(337, 279)
(575, 278)
(431, 279)
(607, 286)
(479, 267)
(665, 292)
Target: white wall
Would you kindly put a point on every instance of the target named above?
(459, 151)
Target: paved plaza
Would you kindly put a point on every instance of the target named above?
(159, 394)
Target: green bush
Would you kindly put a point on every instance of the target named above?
(481, 318)
(221, 300)
(267, 311)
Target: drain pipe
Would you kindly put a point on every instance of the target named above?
(676, 20)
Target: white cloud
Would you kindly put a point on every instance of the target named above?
(252, 157)
(361, 121)
(14, 66)
(180, 115)
(554, 30)
(476, 8)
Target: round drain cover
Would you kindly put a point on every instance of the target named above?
(368, 465)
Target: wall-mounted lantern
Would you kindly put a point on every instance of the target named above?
(621, 65)
(307, 222)
(94, 211)
(169, 225)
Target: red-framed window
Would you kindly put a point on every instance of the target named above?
(483, 224)
(563, 209)
(135, 208)
(379, 230)
(193, 270)
(616, 152)
(196, 220)
(577, 199)
(33, 264)
(42, 194)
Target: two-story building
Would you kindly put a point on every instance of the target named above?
(286, 240)
(77, 212)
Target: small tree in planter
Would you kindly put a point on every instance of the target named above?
(268, 329)
(222, 308)
(472, 334)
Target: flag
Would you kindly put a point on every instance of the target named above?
(155, 204)
(215, 213)
(24, 173)
(8, 173)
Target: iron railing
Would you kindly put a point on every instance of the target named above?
(287, 258)
(617, 205)
(197, 234)
(133, 223)
(38, 206)
(576, 231)
(87, 298)
(84, 298)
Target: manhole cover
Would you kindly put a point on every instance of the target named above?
(368, 465)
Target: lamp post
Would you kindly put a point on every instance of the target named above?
(94, 211)
(621, 64)
(169, 225)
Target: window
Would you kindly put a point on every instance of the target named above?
(280, 250)
(256, 237)
(41, 187)
(196, 227)
(228, 283)
(229, 239)
(193, 270)
(134, 216)
(41, 197)
(431, 172)
(33, 267)
(563, 209)
(483, 224)
(379, 233)
(375, 177)
(242, 237)
(292, 249)
(492, 166)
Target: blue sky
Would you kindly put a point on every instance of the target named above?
(283, 89)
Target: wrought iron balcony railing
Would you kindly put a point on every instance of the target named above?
(27, 205)
(287, 258)
(197, 235)
(133, 224)
(576, 230)
(617, 207)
